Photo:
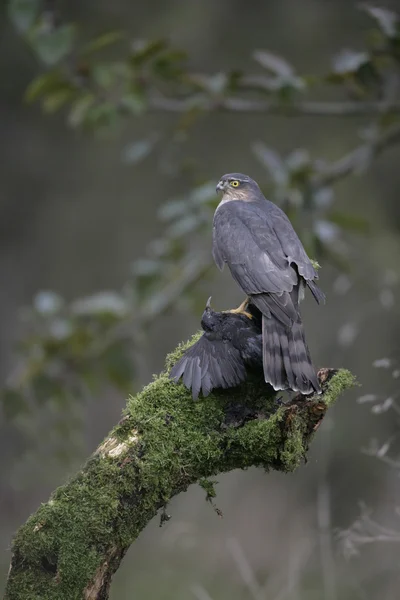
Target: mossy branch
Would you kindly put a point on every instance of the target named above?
(71, 547)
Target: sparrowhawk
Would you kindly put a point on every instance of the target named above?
(255, 238)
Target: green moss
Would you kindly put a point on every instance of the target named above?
(164, 443)
(341, 381)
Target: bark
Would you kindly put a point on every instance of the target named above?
(71, 547)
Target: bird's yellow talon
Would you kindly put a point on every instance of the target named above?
(241, 310)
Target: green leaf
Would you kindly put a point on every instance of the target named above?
(103, 75)
(23, 13)
(103, 41)
(45, 84)
(168, 64)
(134, 102)
(53, 46)
(80, 109)
(53, 102)
(386, 19)
(102, 115)
(143, 51)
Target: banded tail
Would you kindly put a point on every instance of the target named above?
(286, 357)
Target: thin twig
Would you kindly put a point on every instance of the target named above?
(159, 103)
(355, 160)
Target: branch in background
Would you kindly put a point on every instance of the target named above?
(364, 532)
(160, 103)
(74, 544)
(152, 75)
(358, 159)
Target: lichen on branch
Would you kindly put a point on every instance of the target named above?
(71, 547)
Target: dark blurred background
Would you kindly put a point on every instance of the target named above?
(74, 216)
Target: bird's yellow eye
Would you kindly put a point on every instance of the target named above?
(235, 183)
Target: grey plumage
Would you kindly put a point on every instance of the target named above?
(256, 240)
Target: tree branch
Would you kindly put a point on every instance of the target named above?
(71, 547)
(159, 103)
(357, 159)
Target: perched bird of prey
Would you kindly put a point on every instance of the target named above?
(256, 240)
(230, 343)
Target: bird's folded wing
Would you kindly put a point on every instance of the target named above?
(248, 244)
(288, 239)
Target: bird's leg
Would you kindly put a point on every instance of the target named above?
(241, 310)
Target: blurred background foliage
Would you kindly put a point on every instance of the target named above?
(106, 209)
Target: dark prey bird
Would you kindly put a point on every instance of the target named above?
(266, 258)
(230, 343)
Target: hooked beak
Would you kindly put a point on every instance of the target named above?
(220, 186)
(208, 305)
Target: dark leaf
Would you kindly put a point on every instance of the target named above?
(23, 13)
(118, 366)
(101, 116)
(274, 63)
(323, 197)
(143, 51)
(139, 150)
(146, 267)
(46, 388)
(172, 209)
(216, 84)
(103, 41)
(52, 82)
(349, 61)
(134, 102)
(188, 224)
(104, 75)
(80, 109)
(14, 403)
(54, 101)
(298, 160)
(168, 65)
(53, 46)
